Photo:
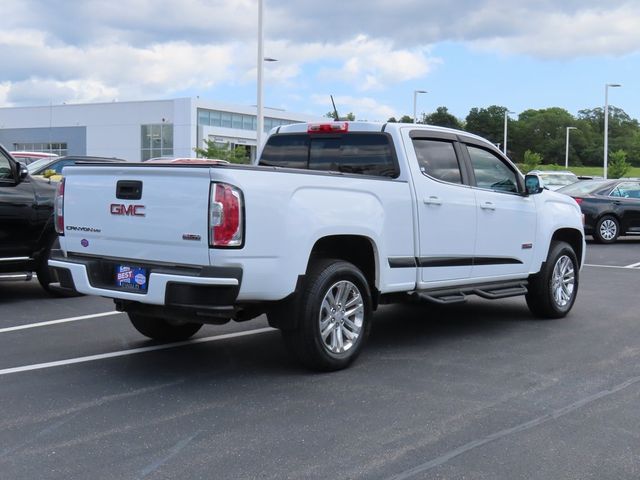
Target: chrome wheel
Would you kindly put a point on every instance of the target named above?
(563, 281)
(608, 229)
(341, 317)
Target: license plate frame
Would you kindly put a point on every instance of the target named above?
(129, 277)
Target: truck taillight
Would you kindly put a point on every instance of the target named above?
(58, 208)
(578, 200)
(226, 224)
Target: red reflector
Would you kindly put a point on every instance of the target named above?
(335, 127)
(579, 200)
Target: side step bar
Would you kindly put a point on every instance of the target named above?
(491, 291)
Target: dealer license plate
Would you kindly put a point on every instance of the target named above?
(133, 278)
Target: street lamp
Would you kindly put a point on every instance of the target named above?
(566, 153)
(415, 100)
(261, 60)
(606, 123)
(506, 117)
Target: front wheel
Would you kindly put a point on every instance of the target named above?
(160, 329)
(552, 291)
(335, 312)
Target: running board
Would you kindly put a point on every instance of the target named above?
(492, 291)
(14, 277)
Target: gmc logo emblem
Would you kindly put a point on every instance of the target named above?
(128, 210)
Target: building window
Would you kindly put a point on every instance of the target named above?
(156, 141)
(238, 121)
(57, 148)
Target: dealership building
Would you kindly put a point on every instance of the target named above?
(136, 131)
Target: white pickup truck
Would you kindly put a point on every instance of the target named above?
(334, 220)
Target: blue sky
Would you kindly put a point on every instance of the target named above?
(371, 55)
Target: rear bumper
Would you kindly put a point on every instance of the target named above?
(170, 285)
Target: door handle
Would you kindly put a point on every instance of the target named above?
(433, 200)
(487, 206)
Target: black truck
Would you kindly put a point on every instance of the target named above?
(27, 232)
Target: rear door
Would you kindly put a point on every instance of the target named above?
(156, 214)
(446, 207)
(626, 198)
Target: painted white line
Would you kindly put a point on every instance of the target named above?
(55, 322)
(133, 351)
(633, 265)
(606, 266)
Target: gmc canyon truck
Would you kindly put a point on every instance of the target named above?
(334, 220)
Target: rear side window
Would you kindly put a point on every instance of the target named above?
(438, 159)
(357, 153)
(290, 151)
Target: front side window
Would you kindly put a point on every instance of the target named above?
(5, 168)
(492, 172)
(438, 159)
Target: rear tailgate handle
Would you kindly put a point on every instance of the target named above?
(129, 189)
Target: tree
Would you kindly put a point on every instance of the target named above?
(618, 166)
(405, 119)
(542, 131)
(531, 161)
(487, 122)
(392, 120)
(223, 152)
(349, 117)
(442, 118)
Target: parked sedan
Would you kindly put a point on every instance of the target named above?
(611, 207)
(553, 179)
(52, 167)
(29, 157)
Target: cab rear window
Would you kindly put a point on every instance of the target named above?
(357, 153)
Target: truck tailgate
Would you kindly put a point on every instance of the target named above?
(148, 213)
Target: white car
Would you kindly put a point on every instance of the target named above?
(335, 219)
(553, 179)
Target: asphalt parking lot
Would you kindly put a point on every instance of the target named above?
(475, 391)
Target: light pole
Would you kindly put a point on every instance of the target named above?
(506, 118)
(415, 100)
(566, 153)
(606, 124)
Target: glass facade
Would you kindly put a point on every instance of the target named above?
(156, 141)
(57, 148)
(216, 118)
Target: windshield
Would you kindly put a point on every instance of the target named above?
(39, 164)
(558, 178)
(584, 188)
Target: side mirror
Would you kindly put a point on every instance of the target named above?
(532, 184)
(22, 171)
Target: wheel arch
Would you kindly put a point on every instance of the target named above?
(573, 237)
(357, 249)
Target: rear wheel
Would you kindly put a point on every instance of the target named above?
(607, 229)
(552, 291)
(160, 329)
(334, 316)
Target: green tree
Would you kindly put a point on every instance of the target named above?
(392, 120)
(442, 118)
(624, 134)
(349, 117)
(487, 122)
(542, 131)
(531, 161)
(223, 152)
(405, 119)
(618, 166)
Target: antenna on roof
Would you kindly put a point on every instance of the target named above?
(336, 117)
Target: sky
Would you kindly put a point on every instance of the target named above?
(370, 55)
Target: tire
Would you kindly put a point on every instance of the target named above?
(552, 291)
(607, 229)
(47, 276)
(335, 311)
(159, 329)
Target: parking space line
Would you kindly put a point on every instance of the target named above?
(610, 266)
(633, 265)
(55, 322)
(133, 351)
